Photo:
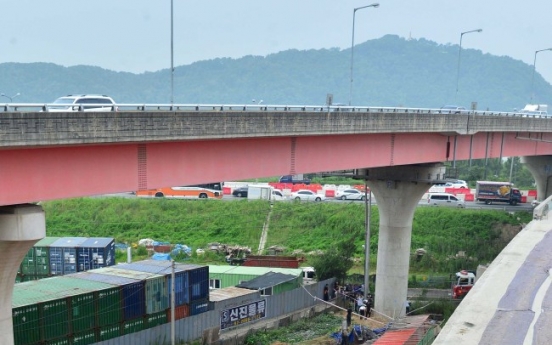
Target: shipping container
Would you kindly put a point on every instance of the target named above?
(180, 312)
(156, 319)
(26, 324)
(84, 338)
(37, 259)
(134, 301)
(96, 252)
(199, 306)
(181, 278)
(83, 311)
(65, 306)
(133, 326)
(157, 298)
(108, 332)
(110, 307)
(198, 279)
(199, 282)
(63, 255)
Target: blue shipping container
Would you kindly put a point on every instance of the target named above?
(63, 255)
(95, 253)
(181, 277)
(199, 283)
(198, 280)
(199, 306)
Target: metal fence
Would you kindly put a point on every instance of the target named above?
(196, 327)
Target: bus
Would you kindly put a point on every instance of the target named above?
(199, 191)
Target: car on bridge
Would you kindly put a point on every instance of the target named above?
(82, 103)
(453, 109)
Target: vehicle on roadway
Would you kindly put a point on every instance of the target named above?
(240, 192)
(306, 195)
(492, 191)
(82, 103)
(201, 191)
(444, 199)
(349, 194)
(453, 109)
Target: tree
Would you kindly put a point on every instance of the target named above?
(337, 260)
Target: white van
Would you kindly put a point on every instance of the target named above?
(444, 199)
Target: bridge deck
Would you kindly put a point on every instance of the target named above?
(511, 303)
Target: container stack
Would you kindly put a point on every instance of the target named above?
(53, 256)
(87, 307)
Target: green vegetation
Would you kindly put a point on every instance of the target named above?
(478, 235)
(300, 331)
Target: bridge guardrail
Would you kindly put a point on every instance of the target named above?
(41, 107)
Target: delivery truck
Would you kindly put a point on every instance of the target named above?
(264, 192)
(492, 191)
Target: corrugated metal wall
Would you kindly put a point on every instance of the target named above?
(192, 328)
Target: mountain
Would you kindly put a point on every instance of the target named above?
(389, 71)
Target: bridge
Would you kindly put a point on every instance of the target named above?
(398, 151)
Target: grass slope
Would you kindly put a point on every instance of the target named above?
(443, 232)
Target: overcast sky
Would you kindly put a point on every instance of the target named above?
(135, 35)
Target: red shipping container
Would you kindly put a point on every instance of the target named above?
(180, 312)
(532, 192)
(330, 193)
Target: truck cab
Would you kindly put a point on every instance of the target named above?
(462, 284)
(294, 179)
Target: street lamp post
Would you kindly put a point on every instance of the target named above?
(11, 98)
(533, 78)
(172, 59)
(376, 5)
(459, 55)
(367, 220)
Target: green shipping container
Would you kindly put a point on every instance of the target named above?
(133, 326)
(84, 338)
(37, 260)
(65, 305)
(26, 326)
(109, 332)
(60, 341)
(156, 319)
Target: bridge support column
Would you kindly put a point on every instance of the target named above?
(541, 169)
(21, 226)
(398, 191)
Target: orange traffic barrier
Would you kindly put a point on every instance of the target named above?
(330, 193)
(469, 197)
(226, 190)
(523, 198)
(532, 192)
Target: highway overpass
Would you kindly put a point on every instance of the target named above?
(399, 152)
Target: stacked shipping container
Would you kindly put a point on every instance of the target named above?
(88, 307)
(64, 255)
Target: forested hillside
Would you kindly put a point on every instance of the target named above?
(389, 71)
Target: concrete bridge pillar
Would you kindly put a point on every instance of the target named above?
(541, 169)
(398, 191)
(21, 226)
